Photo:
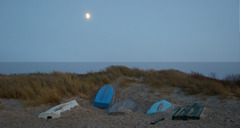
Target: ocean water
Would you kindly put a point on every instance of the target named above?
(221, 69)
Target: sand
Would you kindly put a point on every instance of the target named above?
(216, 114)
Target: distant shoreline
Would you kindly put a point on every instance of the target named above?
(220, 69)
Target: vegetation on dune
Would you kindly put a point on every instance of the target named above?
(43, 88)
(234, 79)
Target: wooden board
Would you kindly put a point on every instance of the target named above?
(122, 107)
(188, 112)
(104, 97)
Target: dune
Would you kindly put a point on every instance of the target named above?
(20, 107)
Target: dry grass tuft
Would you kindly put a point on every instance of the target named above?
(43, 88)
(193, 83)
(126, 81)
(236, 91)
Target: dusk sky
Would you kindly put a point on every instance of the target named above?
(119, 31)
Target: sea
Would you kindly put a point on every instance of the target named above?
(219, 69)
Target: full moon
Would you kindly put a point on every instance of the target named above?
(87, 16)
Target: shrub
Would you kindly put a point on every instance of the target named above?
(234, 79)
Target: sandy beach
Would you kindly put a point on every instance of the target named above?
(216, 114)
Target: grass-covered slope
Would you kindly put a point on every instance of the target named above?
(43, 88)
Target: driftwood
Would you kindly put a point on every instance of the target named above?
(156, 121)
(188, 112)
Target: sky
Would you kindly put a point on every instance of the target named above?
(120, 31)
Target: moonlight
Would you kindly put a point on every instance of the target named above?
(87, 16)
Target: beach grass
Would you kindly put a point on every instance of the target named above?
(45, 88)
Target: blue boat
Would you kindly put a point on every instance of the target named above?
(160, 106)
(104, 97)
